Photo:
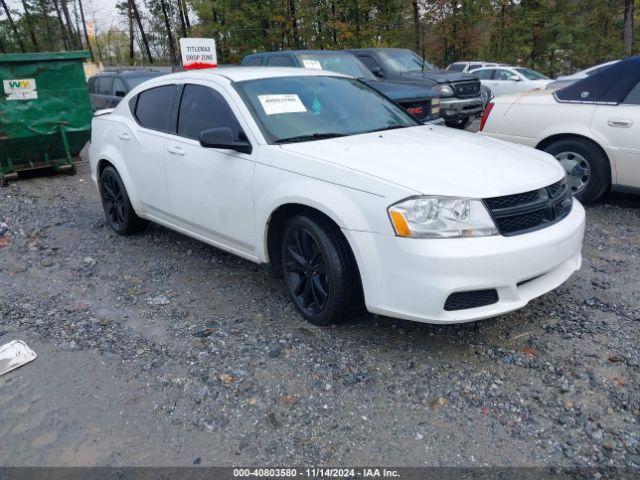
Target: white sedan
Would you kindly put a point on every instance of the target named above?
(339, 191)
(592, 127)
(506, 80)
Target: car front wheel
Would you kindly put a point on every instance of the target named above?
(586, 166)
(319, 271)
(118, 211)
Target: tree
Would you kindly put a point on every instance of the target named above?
(63, 30)
(172, 47)
(416, 25)
(628, 26)
(29, 22)
(84, 28)
(12, 25)
(145, 42)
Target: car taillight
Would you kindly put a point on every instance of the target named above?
(485, 115)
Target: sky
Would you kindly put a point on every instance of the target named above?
(102, 12)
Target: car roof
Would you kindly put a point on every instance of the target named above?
(301, 52)
(496, 67)
(240, 74)
(375, 49)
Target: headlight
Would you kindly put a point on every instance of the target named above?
(441, 217)
(446, 91)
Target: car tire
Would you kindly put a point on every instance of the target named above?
(319, 270)
(461, 123)
(118, 211)
(588, 170)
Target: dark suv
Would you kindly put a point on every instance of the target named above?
(421, 101)
(460, 94)
(106, 89)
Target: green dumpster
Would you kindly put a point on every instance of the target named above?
(45, 111)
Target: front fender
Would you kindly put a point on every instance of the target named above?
(350, 209)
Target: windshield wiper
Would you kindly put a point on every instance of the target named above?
(391, 127)
(313, 136)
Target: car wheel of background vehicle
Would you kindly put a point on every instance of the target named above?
(117, 207)
(319, 271)
(587, 168)
(460, 123)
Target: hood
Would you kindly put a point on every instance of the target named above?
(439, 161)
(440, 76)
(402, 91)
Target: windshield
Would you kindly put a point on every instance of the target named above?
(404, 61)
(345, 64)
(530, 74)
(293, 109)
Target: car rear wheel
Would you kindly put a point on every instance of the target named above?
(319, 271)
(586, 166)
(120, 215)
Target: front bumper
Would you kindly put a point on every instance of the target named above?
(412, 278)
(457, 109)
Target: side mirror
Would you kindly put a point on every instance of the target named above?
(120, 93)
(514, 78)
(222, 137)
(377, 71)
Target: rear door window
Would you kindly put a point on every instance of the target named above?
(154, 108)
(482, 74)
(456, 67)
(503, 75)
(118, 86)
(279, 61)
(253, 62)
(103, 85)
(369, 61)
(633, 98)
(202, 108)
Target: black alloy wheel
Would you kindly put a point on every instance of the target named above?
(117, 208)
(306, 271)
(319, 270)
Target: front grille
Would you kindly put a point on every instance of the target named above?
(471, 299)
(420, 110)
(467, 89)
(529, 211)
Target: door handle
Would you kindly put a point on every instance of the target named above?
(124, 136)
(619, 122)
(176, 150)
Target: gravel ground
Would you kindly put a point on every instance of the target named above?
(159, 350)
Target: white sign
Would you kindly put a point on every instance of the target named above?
(314, 64)
(20, 89)
(198, 53)
(281, 103)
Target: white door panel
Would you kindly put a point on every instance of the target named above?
(144, 154)
(619, 126)
(211, 192)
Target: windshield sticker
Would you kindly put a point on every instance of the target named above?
(281, 103)
(314, 64)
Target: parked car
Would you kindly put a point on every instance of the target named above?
(460, 96)
(468, 67)
(564, 80)
(506, 80)
(106, 89)
(423, 102)
(592, 127)
(340, 191)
